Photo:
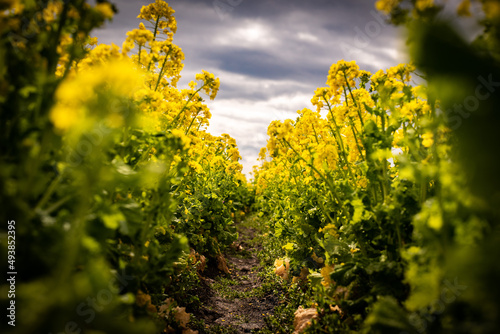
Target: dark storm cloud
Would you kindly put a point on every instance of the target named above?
(204, 23)
(254, 63)
(233, 90)
(275, 8)
(263, 64)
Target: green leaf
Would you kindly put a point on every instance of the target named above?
(359, 211)
(315, 278)
(91, 244)
(388, 317)
(122, 168)
(113, 220)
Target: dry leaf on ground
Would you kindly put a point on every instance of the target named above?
(222, 264)
(303, 318)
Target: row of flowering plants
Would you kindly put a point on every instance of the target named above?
(344, 209)
(108, 171)
(370, 201)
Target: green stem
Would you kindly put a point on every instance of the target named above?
(353, 125)
(385, 180)
(353, 128)
(332, 188)
(187, 102)
(48, 193)
(315, 134)
(57, 204)
(192, 121)
(161, 70)
(139, 60)
(154, 39)
(339, 138)
(322, 207)
(354, 100)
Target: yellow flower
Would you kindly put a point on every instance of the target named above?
(386, 6)
(64, 117)
(491, 9)
(427, 139)
(342, 74)
(463, 8)
(326, 274)
(185, 139)
(424, 4)
(140, 36)
(362, 182)
(51, 12)
(233, 168)
(330, 229)
(211, 84)
(105, 9)
(196, 167)
(77, 96)
(233, 154)
(161, 10)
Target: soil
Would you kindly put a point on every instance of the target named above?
(239, 306)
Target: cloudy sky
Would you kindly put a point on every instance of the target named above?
(270, 55)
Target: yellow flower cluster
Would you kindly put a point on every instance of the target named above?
(313, 146)
(79, 96)
(108, 75)
(424, 9)
(210, 83)
(161, 15)
(324, 159)
(387, 6)
(105, 9)
(139, 36)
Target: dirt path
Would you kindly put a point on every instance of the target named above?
(237, 301)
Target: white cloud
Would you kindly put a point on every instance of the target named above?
(247, 121)
(250, 34)
(307, 37)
